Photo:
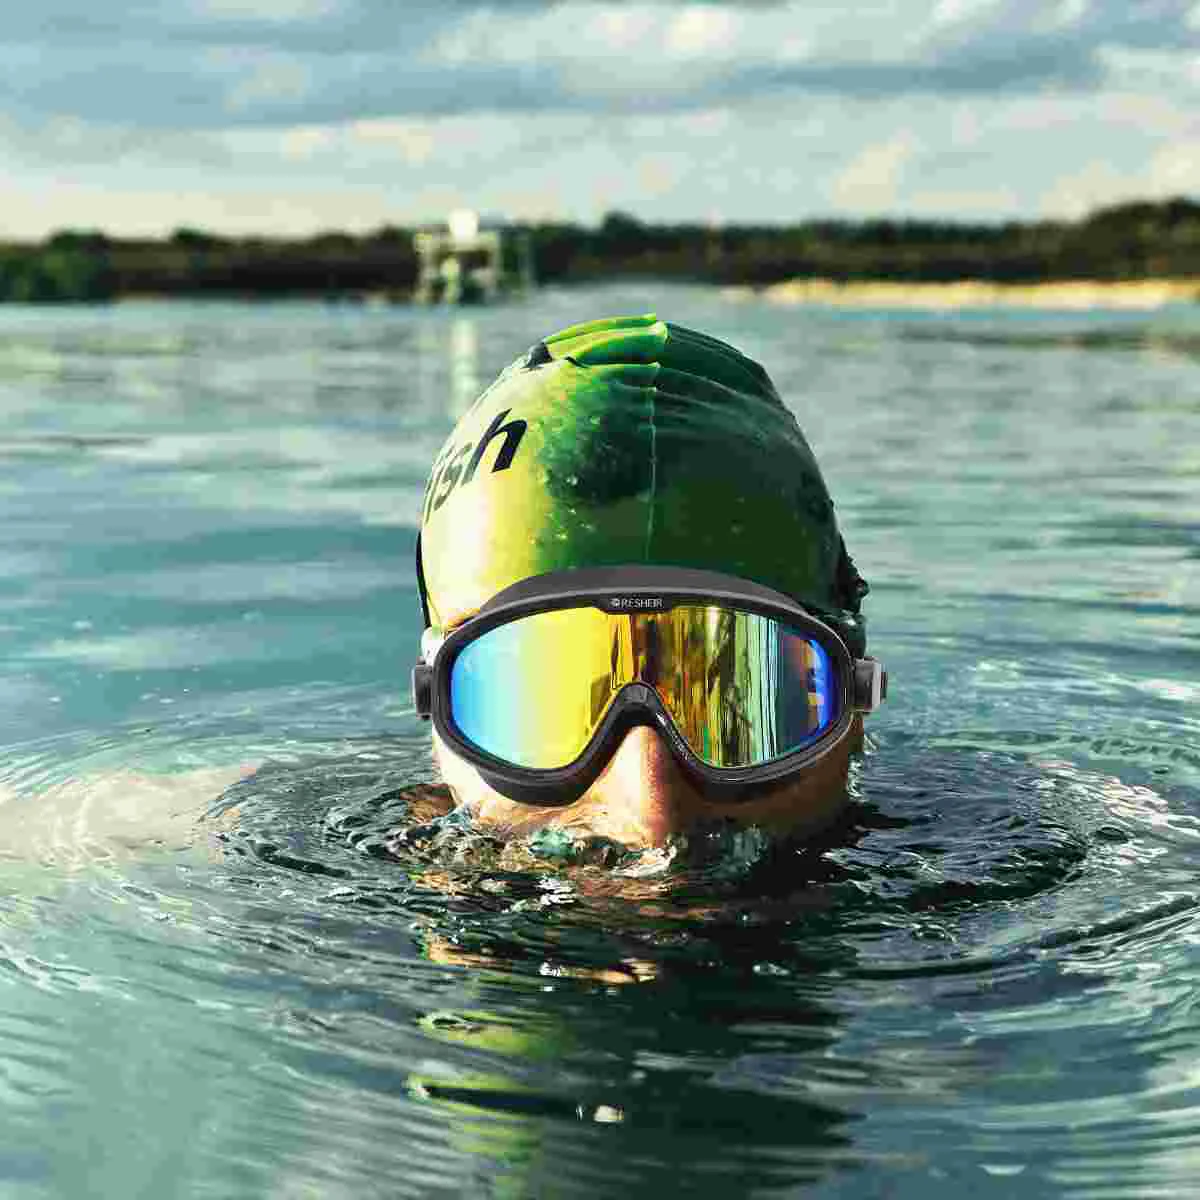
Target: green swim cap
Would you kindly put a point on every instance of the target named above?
(631, 440)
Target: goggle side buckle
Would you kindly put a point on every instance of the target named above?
(870, 684)
(422, 690)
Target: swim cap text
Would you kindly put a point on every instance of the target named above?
(449, 471)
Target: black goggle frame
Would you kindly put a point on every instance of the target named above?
(636, 588)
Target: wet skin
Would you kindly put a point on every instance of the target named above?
(643, 795)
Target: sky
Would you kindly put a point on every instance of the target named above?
(293, 116)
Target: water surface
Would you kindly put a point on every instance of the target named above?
(217, 985)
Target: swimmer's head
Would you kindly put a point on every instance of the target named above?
(633, 441)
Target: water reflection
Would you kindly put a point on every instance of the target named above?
(564, 975)
(447, 376)
(823, 1009)
(465, 383)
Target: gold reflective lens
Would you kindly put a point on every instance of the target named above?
(741, 688)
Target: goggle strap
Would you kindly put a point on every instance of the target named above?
(421, 589)
(422, 672)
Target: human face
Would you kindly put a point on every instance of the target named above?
(642, 795)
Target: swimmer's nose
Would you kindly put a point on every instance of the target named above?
(642, 796)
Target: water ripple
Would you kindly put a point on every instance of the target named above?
(246, 948)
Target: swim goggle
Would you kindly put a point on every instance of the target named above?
(537, 688)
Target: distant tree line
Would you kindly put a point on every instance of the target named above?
(1128, 241)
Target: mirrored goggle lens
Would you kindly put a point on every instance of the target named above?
(742, 688)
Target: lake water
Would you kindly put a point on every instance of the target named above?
(985, 984)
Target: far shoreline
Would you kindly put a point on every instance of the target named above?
(1138, 295)
(1138, 255)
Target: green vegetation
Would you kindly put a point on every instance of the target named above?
(1127, 242)
(69, 266)
(1130, 241)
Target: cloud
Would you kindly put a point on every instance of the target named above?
(275, 12)
(305, 142)
(298, 114)
(1175, 169)
(413, 141)
(216, 64)
(966, 204)
(1097, 183)
(871, 182)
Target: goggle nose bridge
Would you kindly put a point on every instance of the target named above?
(637, 692)
(634, 704)
(637, 703)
